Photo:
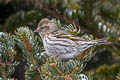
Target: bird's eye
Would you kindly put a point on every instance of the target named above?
(44, 27)
(41, 27)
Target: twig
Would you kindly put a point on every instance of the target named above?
(58, 15)
(53, 12)
(3, 70)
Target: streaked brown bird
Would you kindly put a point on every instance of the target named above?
(59, 43)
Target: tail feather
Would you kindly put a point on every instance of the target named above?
(103, 41)
(83, 45)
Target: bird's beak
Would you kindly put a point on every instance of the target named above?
(37, 30)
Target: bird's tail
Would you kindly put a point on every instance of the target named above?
(103, 41)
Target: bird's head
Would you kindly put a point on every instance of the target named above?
(46, 27)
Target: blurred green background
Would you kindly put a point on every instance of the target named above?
(100, 18)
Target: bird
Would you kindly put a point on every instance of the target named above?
(58, 43)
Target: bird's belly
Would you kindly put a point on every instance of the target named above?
(53, 50)
(61, 51)
(61, 48)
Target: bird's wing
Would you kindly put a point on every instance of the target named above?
(69, 36)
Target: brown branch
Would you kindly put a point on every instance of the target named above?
(89, 12)
(53, 12)
(3, 69)
(59, 71)
(26, 42)
(31, 56)
(74, 70)
(58, 15)
(67, 76)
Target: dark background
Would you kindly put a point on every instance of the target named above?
(85, 13)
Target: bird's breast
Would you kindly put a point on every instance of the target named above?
(59, 47)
